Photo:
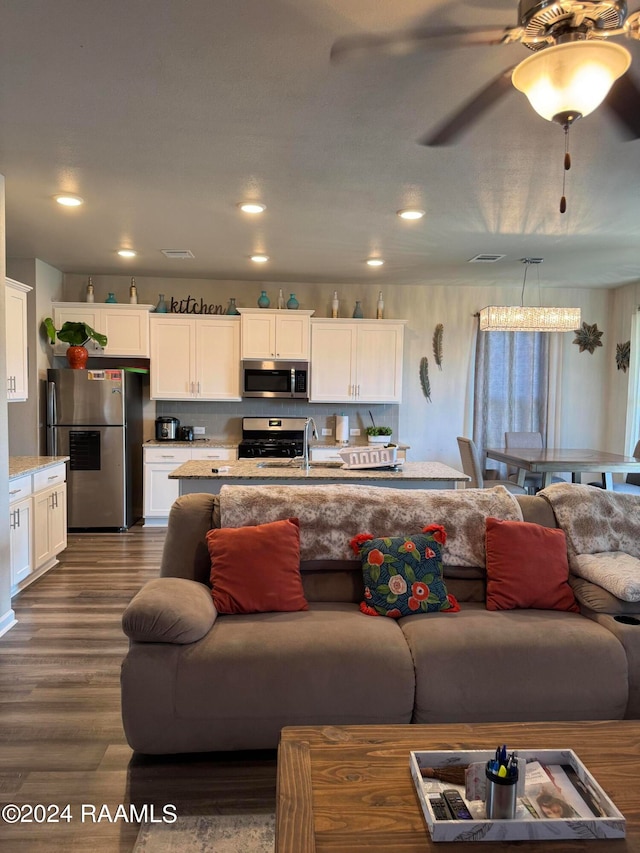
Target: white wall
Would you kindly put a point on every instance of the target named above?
(430, 428)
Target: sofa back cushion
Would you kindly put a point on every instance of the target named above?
(186, 555)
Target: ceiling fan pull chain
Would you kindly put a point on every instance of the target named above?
(567, 166)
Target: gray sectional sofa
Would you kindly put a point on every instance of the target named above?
(195, 680)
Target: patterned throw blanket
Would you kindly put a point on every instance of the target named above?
(595, 520)
(603, 535)
(331, 515)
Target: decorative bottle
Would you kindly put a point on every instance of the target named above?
(90, 294)
(292, 302)
(263, 300)
(280, 299)
(111, 297)
(357, 311)
(133, 292)
(231, 307)
(161, 307)
(335, 304)
(380, 307)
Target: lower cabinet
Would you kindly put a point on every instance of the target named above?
(159, 491)
(37, 523)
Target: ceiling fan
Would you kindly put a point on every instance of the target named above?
(562, 33)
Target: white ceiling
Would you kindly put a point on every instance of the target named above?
(163, 114)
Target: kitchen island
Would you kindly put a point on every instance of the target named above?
(201, 476)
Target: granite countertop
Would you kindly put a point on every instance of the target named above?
(276, 470)
(197, 442)
(21, 465)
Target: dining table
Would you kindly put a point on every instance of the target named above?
(557, 460)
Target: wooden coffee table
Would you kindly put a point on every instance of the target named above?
(343, 789)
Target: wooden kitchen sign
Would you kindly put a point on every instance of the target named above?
(191, 306)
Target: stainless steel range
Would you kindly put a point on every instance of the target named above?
(275, 438)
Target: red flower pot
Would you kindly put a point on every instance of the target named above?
(77, 357)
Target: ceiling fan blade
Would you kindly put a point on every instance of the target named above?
(624, 102)
(409, 41)
(471, 111)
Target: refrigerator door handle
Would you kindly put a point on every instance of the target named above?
(52, 438)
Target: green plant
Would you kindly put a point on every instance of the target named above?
(379, 430)
(74, 334)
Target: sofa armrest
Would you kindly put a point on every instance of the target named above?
(170, 610)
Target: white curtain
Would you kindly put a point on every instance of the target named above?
(632, 430)
(511, 388)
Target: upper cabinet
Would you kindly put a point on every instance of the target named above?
(269, 333)
(126, 326)
(195, 358)
(16, 338)
(356, 361)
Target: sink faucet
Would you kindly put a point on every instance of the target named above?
(314, 432)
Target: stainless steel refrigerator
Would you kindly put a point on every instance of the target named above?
(95, 418)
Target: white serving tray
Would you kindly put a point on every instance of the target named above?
(372, 456)
(543, 829)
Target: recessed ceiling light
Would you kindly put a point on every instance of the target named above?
(410, 213)
(69, 200)
(252, 207)
(127, 253)
(259, 259)
(375, 262)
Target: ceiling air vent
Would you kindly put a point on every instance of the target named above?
(177, 254)
(486, 259)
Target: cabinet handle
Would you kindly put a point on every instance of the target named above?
(14, 492)
(198, 389)
(167, 456)
(53, 477)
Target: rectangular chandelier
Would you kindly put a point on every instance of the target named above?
(517, 318)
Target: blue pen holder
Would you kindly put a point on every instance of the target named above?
(500, 799)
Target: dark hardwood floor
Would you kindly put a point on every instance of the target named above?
(61, 737)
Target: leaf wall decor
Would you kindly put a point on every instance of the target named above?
(424, 377)
(623, 355)
(437, 344)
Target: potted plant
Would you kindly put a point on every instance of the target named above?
(76, 335)
(378, 434)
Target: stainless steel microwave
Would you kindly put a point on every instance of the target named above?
(276, 379)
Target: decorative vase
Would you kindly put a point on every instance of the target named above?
(335, 304)
(111, 298)
(263, 300)
(161, 307)
(280, 299)
(380, 307)
(357, 311)
(292, 302)
(90, 293)
(133, 293)
(77, 357)
(231, 307)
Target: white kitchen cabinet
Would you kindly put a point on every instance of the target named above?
(159, 491)
(356, 361)
(20, 529)
(49, 525)
(16, 340)
(38, 523)
(126, 326)
(273, 334)
(195, 357)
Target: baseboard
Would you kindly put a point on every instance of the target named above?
(7, 621)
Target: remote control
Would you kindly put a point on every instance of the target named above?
(439, 808)
(457, 805)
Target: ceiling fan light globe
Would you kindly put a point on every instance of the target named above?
(571, 78)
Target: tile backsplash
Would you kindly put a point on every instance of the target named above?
(224, 420)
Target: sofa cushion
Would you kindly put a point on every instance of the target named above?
(615, 571)
(403, 574)
(256, 569)
(169, 610)
(482, 665)
(328, 665)
(527, 567)
(593, 597)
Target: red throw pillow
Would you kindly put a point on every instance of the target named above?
(527, 566)
(256, 569)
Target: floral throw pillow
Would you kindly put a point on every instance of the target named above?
(403, 574)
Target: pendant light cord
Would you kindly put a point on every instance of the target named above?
(567, 166)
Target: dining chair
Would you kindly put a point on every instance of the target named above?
(530, 440)
(472, 467)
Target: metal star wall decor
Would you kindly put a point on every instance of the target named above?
(588, 337)
(623, 354)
